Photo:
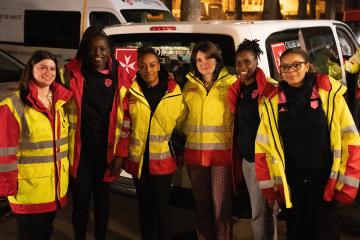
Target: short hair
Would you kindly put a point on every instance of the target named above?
(250, 45)
(27, 74)
(146, 50)
(89, 34)
(211, 51)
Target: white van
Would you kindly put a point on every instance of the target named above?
(323, 39)
(27, 25)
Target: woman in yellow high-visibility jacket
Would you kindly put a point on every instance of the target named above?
(208, 130)
(307, 150)
(153, 107)
(34, 164)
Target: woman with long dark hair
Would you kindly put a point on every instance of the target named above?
(34, 164)
(94, 78)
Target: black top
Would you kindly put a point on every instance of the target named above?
(98, 94)
(305, 135)
(247, 120)
(153, 96)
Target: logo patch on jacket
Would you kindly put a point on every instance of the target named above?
(314, 104)
(108, 82)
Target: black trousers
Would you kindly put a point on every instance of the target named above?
(88, 183)
(35, 226)
(311, 218)
(153, 192)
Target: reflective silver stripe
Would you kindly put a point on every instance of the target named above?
(266, 184)
(42, 144)
(334, 175)
(208, 146)
(8, 167)
(337, 153)
(159, 138)
(351, 181)
(210, 129)
(349, 129)
(159, 156)
(19, 108)
(278, 180)
(134, 158)
(126, 124)
(134, 141)
(262, 138)
(72, 125)
(42, 159)
(8, 151)
(273, 160)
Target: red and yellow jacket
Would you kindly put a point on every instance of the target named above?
(265, 87)
(76, 83)
(270, 164)
(34, 164)
(208, 127)
(138, 122)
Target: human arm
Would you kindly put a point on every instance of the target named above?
(9, 141)
(349, 174)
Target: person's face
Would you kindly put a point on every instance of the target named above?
(293, 68)
(99, 53)
(246, 64)
(206, 66)
(44, 73)
(149, 67)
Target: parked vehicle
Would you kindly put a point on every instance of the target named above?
(327, 42)
(27, 25)
(10, 73)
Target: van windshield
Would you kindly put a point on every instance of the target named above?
(146, 15)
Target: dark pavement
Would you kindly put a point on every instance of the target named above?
(124, 223)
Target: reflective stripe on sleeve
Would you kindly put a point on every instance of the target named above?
(8, 151)
(8, 167)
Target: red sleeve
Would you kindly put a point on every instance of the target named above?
(9, 141)
(122, 148)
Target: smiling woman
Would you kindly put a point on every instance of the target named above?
(94, 114)
(34, 172)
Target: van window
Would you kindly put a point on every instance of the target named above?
(174, 50)
(10, 71)
(57, 29)
(145, 15)
(348, 47)
(319, 43)
(103, 19)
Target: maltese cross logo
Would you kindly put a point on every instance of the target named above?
(127, 63)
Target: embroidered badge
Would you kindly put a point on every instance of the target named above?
(108, 82)
(314, 104)
(254, 94)
(282, 109)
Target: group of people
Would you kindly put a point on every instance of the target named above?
(83, 125)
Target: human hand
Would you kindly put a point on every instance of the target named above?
(116, 165)
(276, 208)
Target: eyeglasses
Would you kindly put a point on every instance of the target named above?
(295, 66)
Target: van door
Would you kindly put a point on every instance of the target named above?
(319, 42)
(348, 46)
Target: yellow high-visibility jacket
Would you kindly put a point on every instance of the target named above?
(208, 127)
(343, 181)
(34, 164)
(139, 121)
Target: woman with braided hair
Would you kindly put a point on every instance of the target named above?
(245, 97)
